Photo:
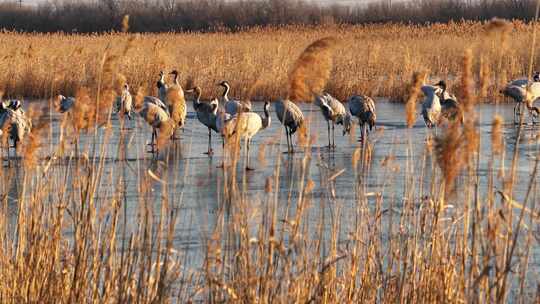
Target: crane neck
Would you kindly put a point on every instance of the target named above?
(226, 91)
(197, 100)
(266, 120)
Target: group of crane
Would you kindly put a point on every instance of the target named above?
(229, 116)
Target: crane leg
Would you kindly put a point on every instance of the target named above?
(291, 141)
(517, 113)
(329, 142)
(364, 132)
(333, 136)
(152, 144)
(210, 151)
(287, 135)
(248, 142)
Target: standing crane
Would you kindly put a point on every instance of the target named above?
(162, 87)
(449, 104)
(157, 118)
(291, 117)
(525, 92)
(206, 114)
(14, 120)
(233, 106)
(363, 107)
(333, 111)
(176, 102)
(246, 126)
(431, 107)
(125, 102)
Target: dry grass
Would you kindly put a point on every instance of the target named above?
(75, 240)
(377, 60)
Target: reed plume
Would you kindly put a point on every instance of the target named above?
(467, 82)
(166, 131)
(177, 105)
(31, 145)
(449, 158)
(484, 77)
(312, 70)
(139, 98)
(410, 107)
(470, 132)
(80, 114)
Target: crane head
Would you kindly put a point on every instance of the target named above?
(197, 90)
(224, 83)
(441, 84)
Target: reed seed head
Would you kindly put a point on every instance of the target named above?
(312, 70)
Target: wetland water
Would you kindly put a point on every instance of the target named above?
(194, 183)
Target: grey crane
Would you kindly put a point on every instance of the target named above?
(291, 117)
(431, 107)
(162, 87)
(245, 125)
(363, 107)
(65, 103)
(13, 118)
(206, 114)
(525, 92)
(156, 117)
(333, 111)
(449, 104)
(233, 106)
(124, 102)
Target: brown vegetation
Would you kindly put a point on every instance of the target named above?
(377, 60)
(79, 235)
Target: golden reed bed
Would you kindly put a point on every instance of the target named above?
(377, 60)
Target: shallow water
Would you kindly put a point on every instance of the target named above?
(194, 183)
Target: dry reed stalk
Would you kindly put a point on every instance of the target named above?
(470, 132)
(467, 83)
(497, 143)
(484, 77)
